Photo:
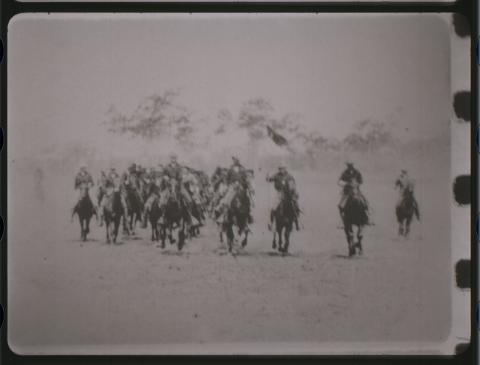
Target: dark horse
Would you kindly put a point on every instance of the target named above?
(85, 211)
(175, 217)
(405, 210)
(354, 215)
(237, 216)
(153, 216)
(112, 213)
(283, 217)
(134, 202)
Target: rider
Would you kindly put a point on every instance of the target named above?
(191, 185)
(113, 184)
(282, 180)
(102, 186)
(237, 176)
(157, 184)
(405, 185)
(173, 169)
(350, 176)
(219, 187)
(82, 179)
(174, 173)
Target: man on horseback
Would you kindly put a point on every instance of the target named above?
(237, 177)
(348, 178)
(83, 179)
(102, 187)
(157, 186)
(192, 188)
(175, 174)
(405, 186)
(113, 184)
(283, 182)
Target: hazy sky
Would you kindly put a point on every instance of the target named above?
(65, 71)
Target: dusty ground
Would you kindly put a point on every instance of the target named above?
(68, 296)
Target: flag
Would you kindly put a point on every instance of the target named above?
(277, 138)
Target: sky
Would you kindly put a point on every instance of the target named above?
(66, 70)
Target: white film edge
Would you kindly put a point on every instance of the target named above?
(207, 120)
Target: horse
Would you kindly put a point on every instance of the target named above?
(354, 215)
(134, 202)
(405, 210)
(153, 216)
(283, 217)
(112, 213)
(85, 210)
(175, 217)
(237, 216)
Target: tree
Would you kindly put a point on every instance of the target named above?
(156, 116)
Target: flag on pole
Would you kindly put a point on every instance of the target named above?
(277, 138)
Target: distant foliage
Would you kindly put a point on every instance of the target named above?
(255, 115)
(162, 115)
(155, 116)
(369, 136)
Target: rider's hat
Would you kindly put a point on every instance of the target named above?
(403, 171)
(281, 167)
(349, 163)
(173, 156)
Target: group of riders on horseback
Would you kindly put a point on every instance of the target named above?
(179, 197)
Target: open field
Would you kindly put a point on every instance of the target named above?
(69, 296)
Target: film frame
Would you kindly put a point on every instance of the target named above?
(464, 186)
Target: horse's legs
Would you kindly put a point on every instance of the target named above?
(181, 236)
(116, 226)
(288, 230)
(280, 238)
(359, 238)
(107, 229)
(245, 238)
(170, 235)
(349, 233)
(274, 242)
(81, 228)
(88, 225)
(408, 221)
(153, 230)
(163, 234)
(130, 224)
(229, 232)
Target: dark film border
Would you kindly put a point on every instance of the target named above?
(466, 353)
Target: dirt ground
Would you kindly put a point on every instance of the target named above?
(67, 296)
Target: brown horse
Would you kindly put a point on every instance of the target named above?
(405, 210)
(153, 216)
(354, 216)
(112, 213)
(134, 202)
(85, 210)
(175, 217)
(236, 218)
(284, 217)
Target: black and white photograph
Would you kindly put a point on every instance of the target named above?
(233, 184)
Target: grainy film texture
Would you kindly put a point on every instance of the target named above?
(239, 184)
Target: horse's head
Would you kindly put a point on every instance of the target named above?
(84, 189)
